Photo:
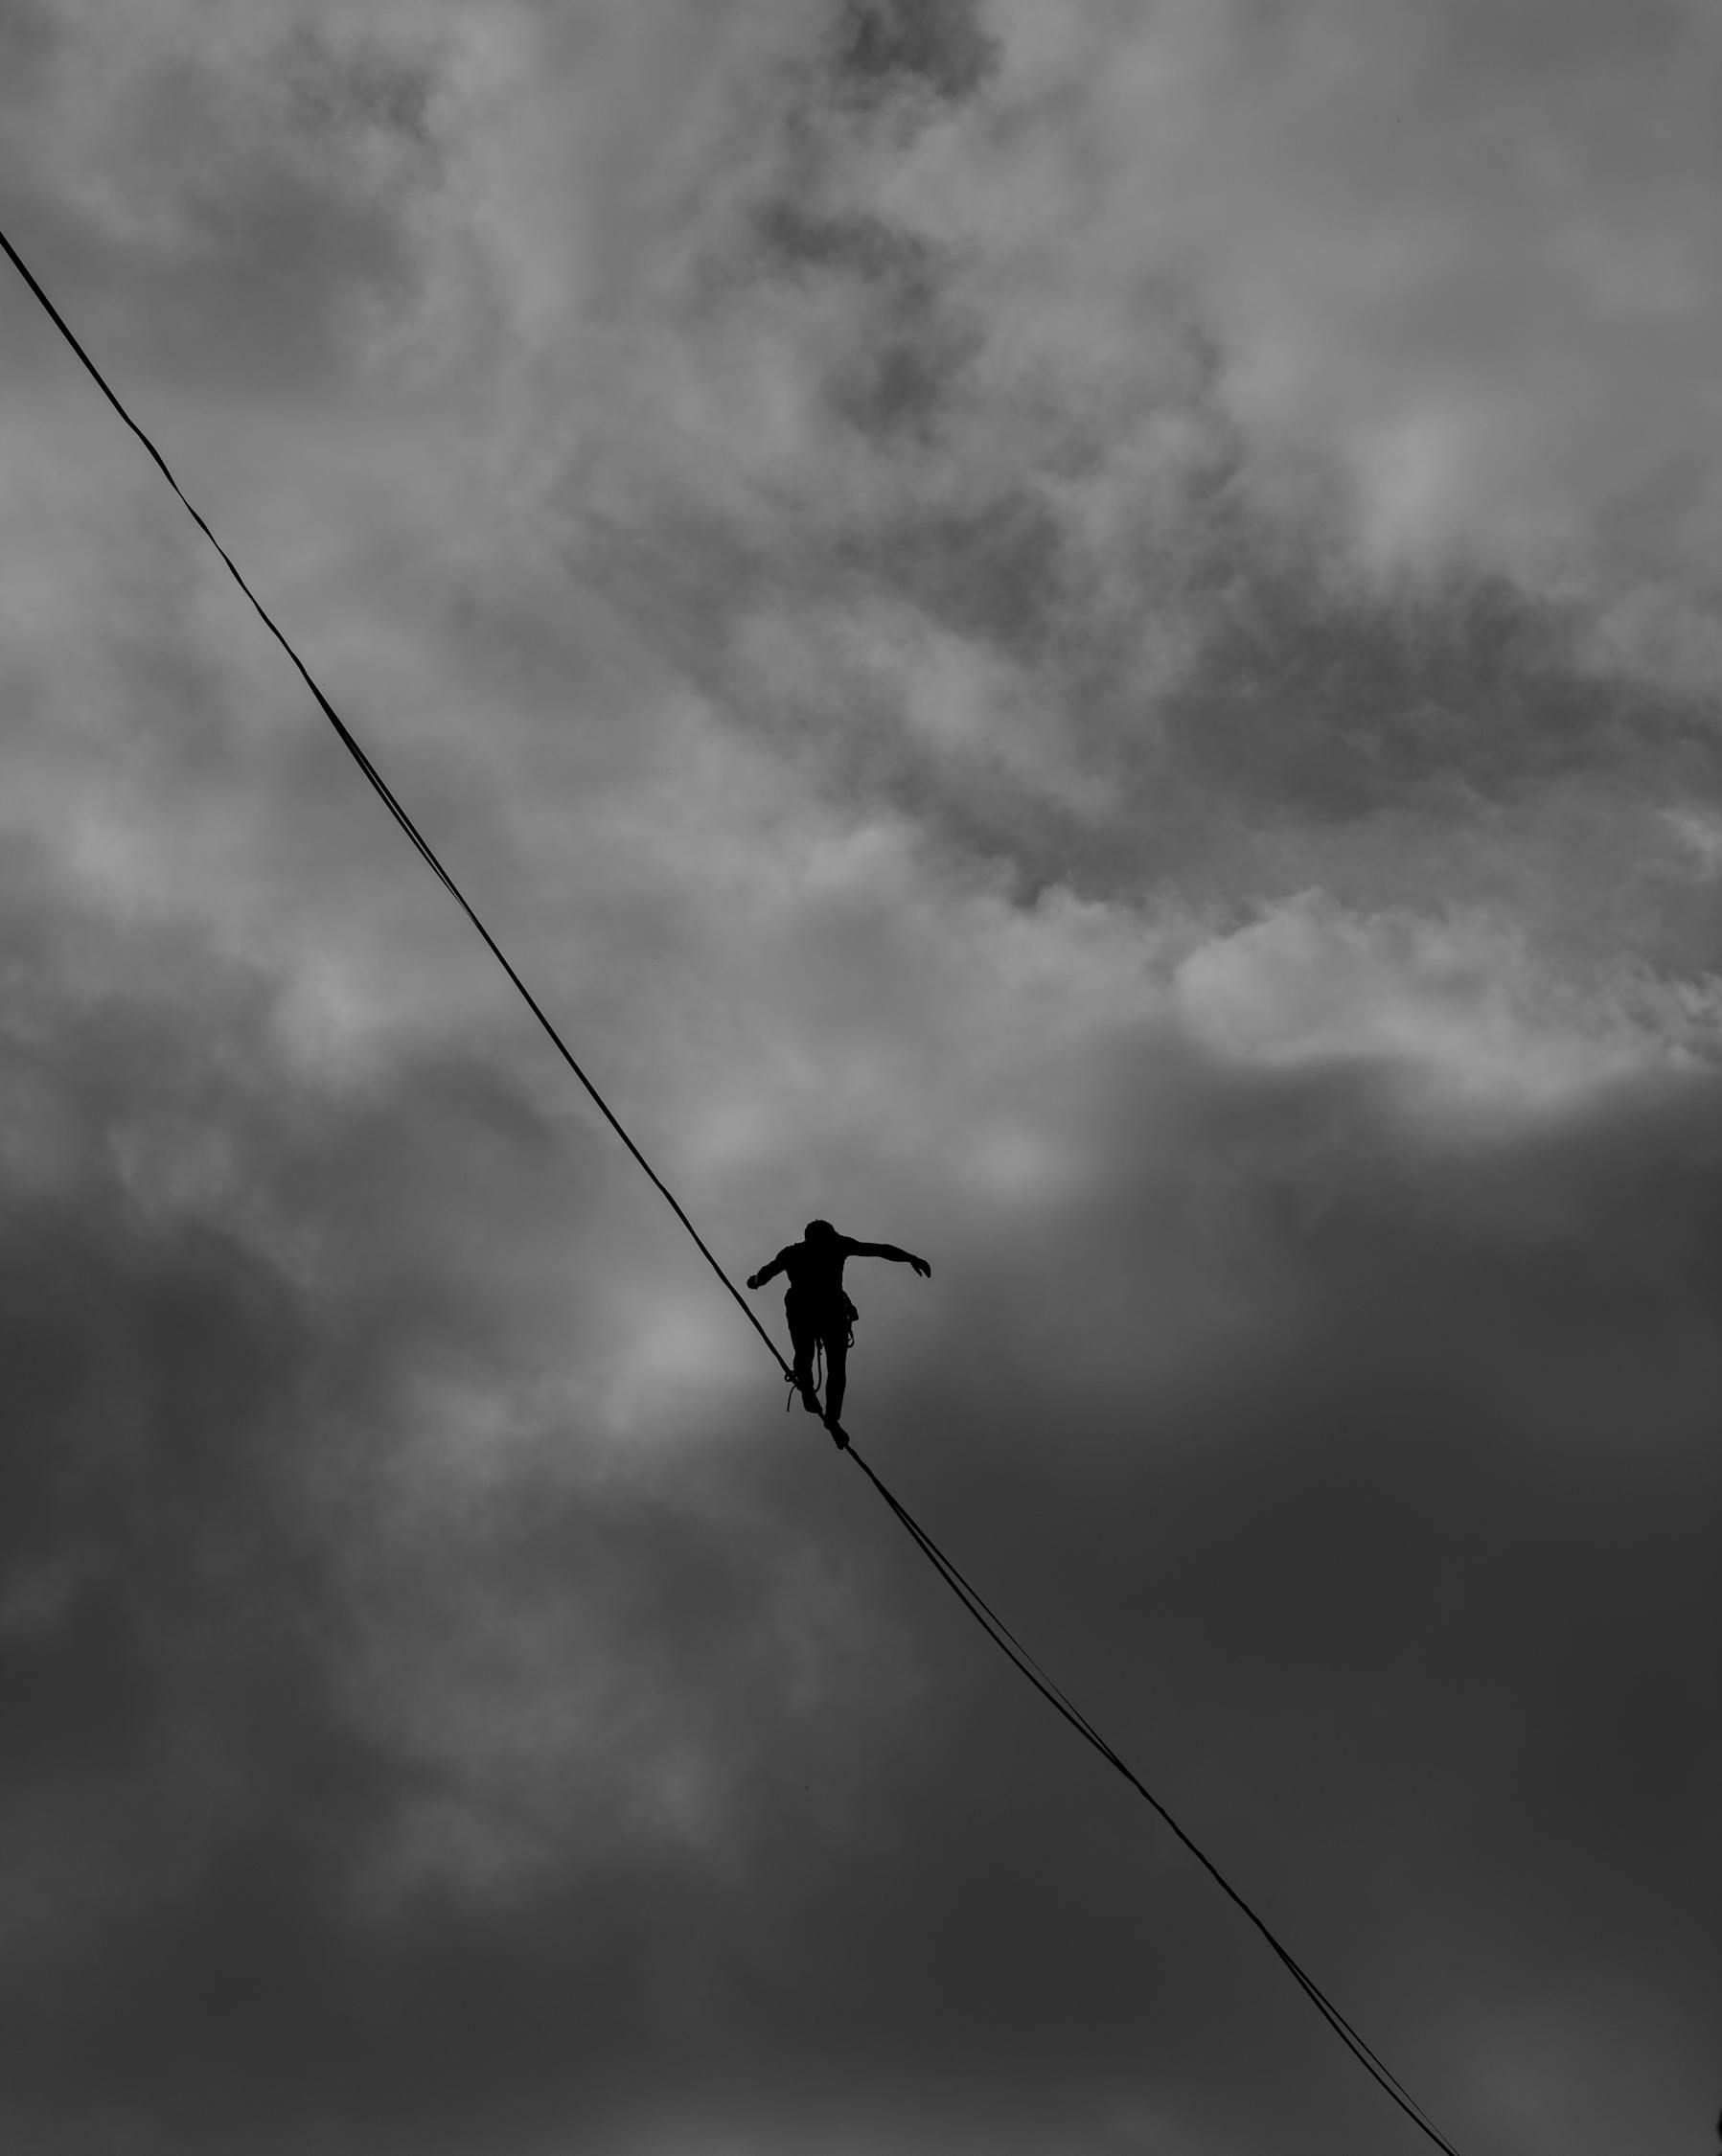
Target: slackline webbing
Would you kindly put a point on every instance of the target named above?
(981, 1612)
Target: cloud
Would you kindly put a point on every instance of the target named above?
(1447, 1002)
(1377, 215)
(1057, 632)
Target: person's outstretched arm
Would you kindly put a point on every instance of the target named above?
(891, 1251)
(758, 1279)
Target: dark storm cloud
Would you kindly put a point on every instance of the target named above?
(899, 381)
(1284, 1593)
(169, 1745)
(1305, 735)
(1191, 693)
(1306, 1573)
(939, 45)
(1337, 710)
(238, 1883)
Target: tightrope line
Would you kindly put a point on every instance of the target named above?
(982, 1613)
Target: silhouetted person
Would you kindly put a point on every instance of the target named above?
(819, 1311)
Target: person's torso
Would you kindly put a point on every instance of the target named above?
(816, 1271)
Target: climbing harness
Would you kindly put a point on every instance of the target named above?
(851, 1318)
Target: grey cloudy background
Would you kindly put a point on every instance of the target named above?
(1081, 634)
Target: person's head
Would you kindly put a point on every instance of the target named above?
(819, 1231)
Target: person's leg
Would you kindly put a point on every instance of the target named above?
(836, 1361)
(804, 1334)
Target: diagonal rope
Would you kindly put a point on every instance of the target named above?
(1013, 1649)
(388, 799)
(984, 1616)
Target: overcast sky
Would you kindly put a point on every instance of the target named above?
(1081, 634)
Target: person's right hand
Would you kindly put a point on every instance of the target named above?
(753, 1279)
(922, 1266)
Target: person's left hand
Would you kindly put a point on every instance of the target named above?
(922, 1266)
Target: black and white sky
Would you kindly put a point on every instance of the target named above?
(1081, 634)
